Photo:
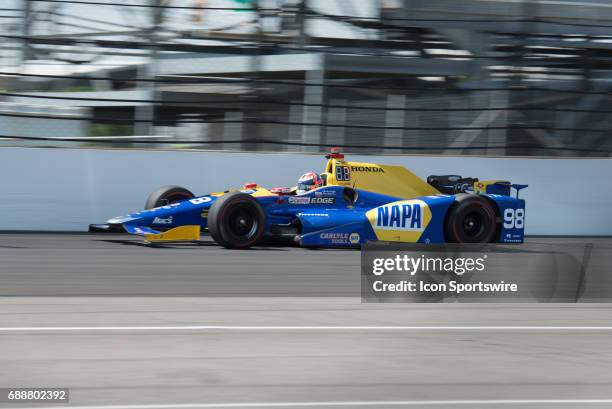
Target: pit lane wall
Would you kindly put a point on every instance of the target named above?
(66, 189)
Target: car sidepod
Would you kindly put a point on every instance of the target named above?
(422, 220)
(333, 228)
(419, 220)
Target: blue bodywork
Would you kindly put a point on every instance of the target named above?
(336, 216)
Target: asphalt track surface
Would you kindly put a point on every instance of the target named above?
(124, 325)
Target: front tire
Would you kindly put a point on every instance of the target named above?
(470, 220)
(166, 195)
(236, 220)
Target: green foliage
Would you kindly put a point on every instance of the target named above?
(110, 130)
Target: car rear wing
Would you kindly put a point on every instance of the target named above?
(497, 187)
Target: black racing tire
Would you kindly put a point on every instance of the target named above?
(166, 195)
(471, 219)
(236, 220)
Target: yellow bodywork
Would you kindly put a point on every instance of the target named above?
(181, 233)
(388, 180)
(384, 179)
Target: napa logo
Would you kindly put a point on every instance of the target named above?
(400, 216)
(400, 221)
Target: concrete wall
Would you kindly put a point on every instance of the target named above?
(66, 189)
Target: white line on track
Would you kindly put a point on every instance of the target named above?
(346, 403)
(231, 328)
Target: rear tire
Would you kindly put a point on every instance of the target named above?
(236, 220)
(470, 220)
(166, 195)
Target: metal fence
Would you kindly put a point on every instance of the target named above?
(370, 76)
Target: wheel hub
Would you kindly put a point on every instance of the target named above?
(472, 224)
(242, 223)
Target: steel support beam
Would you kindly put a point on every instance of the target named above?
(312, 115)
(146, 112)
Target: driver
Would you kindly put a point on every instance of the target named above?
(309, 181)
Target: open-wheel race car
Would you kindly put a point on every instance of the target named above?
(355, 203)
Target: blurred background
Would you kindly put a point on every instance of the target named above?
(477, 77)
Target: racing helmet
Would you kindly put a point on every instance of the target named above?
(309, 181)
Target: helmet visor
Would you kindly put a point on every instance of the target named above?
(309, 185)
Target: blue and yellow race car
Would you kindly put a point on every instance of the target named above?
(357, 202)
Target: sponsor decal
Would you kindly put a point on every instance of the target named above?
(299, 200)
(334, 235)
(328, 193)
(248, 191)
(371, 169)
(316, 214)
(159, 220)
(335, 238)
(354, 238)
(512, 238)
(200, 200)
(403, 221)
(311, 200)
(407, 216)
(323, 200)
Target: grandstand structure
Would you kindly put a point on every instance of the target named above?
(494, 77)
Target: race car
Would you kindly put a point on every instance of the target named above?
(355, 203)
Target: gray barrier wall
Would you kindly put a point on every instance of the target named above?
(66, 189)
